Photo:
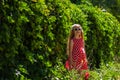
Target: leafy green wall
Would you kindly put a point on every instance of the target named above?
(33, 36)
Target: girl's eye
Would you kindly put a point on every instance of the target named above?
(77, 29)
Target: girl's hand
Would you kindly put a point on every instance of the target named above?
(71, 63)
(86, 60)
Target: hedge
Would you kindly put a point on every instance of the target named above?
(33, 36)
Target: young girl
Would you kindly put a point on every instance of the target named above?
(76, 51)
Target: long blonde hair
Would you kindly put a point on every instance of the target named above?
(71, 36)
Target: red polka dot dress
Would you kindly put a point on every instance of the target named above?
(78, 56)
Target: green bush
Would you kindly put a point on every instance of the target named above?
(34, 33)
(103, 35)
(110, 71)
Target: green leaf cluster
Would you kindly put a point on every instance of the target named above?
(33, 37)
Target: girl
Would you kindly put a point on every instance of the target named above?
(76, 51)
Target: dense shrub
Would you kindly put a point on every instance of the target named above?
(33, 36)
(102, 43)
(110, 71)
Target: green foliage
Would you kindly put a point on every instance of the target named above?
(112, 6)
(102, 36)
(33, 36)
(60, 73)
(110, 71)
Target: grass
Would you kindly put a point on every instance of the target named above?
(109, 71)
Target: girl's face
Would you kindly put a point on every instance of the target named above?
(77, 30)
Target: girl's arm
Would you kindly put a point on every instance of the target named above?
(83, 44)
(85, 52)
(68, 48)
(70, 53)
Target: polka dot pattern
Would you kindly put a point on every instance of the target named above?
(78, 54)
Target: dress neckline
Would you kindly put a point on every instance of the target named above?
(77, 38)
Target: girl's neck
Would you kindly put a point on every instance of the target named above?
(77, 37)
